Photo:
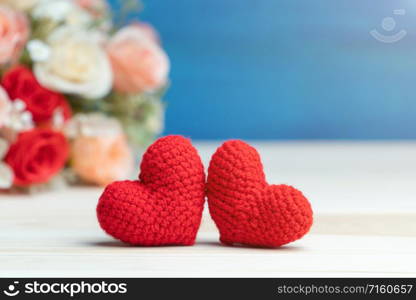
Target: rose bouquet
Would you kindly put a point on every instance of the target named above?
(77, 93)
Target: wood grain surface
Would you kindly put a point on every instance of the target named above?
(365, 223)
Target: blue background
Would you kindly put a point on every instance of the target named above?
(271, 69)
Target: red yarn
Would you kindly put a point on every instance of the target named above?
(165, 206)
(245, 208)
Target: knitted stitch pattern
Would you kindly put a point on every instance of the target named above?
(245, 208)
(164, 207)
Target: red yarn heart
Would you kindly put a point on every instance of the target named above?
(245, 208)
(165, 206)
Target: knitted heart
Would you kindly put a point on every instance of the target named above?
(164, 207)
(245, 208)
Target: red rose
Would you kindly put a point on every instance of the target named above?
(20, 83)
(37, 155)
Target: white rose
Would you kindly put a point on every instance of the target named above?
(77, 64)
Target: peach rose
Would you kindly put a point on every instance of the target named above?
(139, 63)
(14, 32)
(5, 106)
(101, 160)
(99, 153)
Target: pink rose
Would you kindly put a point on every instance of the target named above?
(148, 30)
(4, 106)
(14, 32)
(97, 8)
(139, 63)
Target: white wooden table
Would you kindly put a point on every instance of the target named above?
(363, 195)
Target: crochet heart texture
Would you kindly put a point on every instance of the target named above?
(163, 207)
(245, 208)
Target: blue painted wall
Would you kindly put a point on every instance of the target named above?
(284, 69)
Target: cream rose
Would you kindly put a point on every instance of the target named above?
(77, 64)
(23, 5)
